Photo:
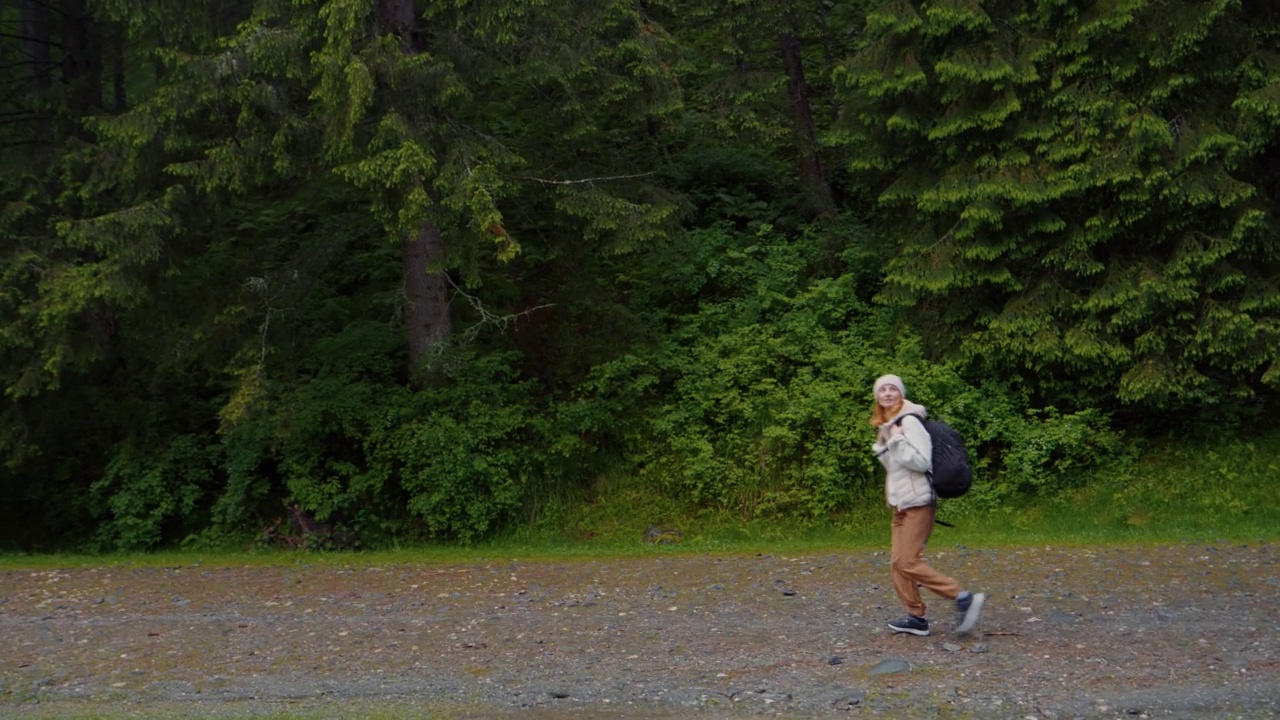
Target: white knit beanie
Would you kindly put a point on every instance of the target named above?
(893, 380)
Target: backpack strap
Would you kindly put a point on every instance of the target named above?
(928, 475)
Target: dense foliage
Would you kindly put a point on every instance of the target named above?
(348, 273)
(1081, 192)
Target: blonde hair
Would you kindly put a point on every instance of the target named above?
(881, 415)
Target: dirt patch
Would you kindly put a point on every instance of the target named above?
(1184, 631)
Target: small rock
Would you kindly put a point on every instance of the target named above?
(662, 536)
(980, 648)
(892, 665)
(848, 699)
(951, 647)
(835, 660)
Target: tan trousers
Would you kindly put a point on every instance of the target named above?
(911, 528)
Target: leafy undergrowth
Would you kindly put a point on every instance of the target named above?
(1174, 495)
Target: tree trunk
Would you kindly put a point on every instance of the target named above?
(811, 174)
(117, 68)
(34, 23)
(399, 18)
(81, 63)
(426, 287)
(426, 293)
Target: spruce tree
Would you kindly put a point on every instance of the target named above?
(1077, 193)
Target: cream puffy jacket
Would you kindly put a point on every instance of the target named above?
(906, 459)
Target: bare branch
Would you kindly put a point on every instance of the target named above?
(586, 180)
(946, 237)
(29, 38)
(25, 63)
(261, 287)
(487, 317)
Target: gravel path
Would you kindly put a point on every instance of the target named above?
(1180, 631)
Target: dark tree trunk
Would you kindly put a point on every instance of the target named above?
(426, 287)
(811, 174)
(34, 29)
(426, 293)
(398, 17)
(117, 69)
(81, 62)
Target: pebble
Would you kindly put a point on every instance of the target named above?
(892, 665)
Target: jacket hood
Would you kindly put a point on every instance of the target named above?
(910, 408)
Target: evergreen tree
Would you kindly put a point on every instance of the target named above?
(219, 270)
(759, 80)
(89, 354)
(1077, 192)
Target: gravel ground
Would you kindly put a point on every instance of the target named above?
(1174, 631)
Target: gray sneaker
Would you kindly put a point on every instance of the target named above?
(969, 607)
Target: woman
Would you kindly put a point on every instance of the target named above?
(904, 448)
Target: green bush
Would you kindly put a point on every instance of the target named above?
(757, 404)
(355, 445)
(145, 495)
(464, 457)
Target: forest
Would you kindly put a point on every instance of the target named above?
(432, 270)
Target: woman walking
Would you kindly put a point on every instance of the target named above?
(904, 448)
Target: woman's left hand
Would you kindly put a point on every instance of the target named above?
(895, 429)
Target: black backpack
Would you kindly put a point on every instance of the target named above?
(951, 475)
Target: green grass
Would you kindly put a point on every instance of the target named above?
(1174, 494)
(1087, 520)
